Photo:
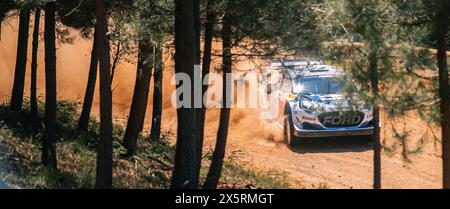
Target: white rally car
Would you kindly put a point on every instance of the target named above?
(318, 104)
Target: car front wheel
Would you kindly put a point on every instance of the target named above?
(289, 137)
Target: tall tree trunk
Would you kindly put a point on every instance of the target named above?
(33, 94)
(209, 27)
(49, 141)
(219, 152)
(140, 96)
(103, 179)
(83, 122)
(197, 24)
(373, 70)
(197, 97)
(21, 60)
(184, 173)
(444, 88)
(155, 132)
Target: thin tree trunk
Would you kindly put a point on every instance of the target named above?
(215, 169)
(197, 97)
(115, 62)
(140, 96)
(373, 70)
(83, 122)
(49, 141)
(197, 24)
(444, 89)
(104, 168)
(155, 132)
(21, 60)
(184, 173)
(33, 94)
(209, 27)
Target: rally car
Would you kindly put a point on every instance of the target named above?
(320, 103)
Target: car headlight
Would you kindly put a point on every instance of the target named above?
(307, 105)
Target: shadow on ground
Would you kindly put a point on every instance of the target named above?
(333, 145)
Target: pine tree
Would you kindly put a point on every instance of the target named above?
(206, 65)
(21, 59)
(362, 21)
(81, 15)
(442, 32)
(222, 134)
(33, 94)
(150, 35)
(83, 122)
(104, 169)
(426, 24)
(286, 25)
(138, 108)
(155, 132)
(380, 40)
(184, 173)
(49, 141)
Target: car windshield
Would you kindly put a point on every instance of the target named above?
(323, 85)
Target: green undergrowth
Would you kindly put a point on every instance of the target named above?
(151, 167)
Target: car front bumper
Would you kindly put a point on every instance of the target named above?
(334, 132)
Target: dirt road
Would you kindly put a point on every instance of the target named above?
(341, 162)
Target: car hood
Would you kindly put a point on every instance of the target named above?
(331, 102)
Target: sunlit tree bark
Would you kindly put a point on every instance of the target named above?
(140, 96)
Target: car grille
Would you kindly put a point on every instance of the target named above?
(341, 119)
(310, 126)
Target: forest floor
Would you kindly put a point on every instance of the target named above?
(3, 185)
(256, 156)
(151, 167)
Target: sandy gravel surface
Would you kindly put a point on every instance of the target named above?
(344, 162)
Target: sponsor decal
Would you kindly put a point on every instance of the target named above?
(342, 120)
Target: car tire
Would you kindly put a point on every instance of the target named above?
(289, 137)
